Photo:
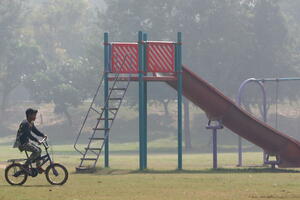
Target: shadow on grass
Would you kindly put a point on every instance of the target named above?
(41, 186)
(219, 171)
(29, 186)
(110, 171)
(105, 171)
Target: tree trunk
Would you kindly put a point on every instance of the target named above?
(261, 110)
(4, 101)
(68, 116)
(187, 132)
(165, 104)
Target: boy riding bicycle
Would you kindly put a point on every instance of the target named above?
(24, 139)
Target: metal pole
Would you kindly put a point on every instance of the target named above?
(278, 79)
(106, 86)
(261, 83)
(145, 104)
(214, 126)
(179, 97)
(239, 102)
(240, 150)
(141, 100)
(186, 125)
(215, 151)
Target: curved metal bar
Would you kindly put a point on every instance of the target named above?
(279, 79)
(260, 82)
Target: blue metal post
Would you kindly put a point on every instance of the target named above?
(215, 151)
(141, 100)
(106, 68)
(214, 126)
(145, 104)
(179, 97)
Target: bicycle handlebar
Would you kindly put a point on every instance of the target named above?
(44, 142)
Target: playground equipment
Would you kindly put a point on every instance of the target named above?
(215, 127)
(219, 107)
(140, 61)
(260, 82)
(145, 61)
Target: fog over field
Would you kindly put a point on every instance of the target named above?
(51, 59)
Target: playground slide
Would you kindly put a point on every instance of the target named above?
(219, 107)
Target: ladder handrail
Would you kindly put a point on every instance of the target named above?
(115, 114)
(91, 105)
(105, 106)
(87, 114)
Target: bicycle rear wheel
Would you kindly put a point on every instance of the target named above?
(56, 174)
(15, 175)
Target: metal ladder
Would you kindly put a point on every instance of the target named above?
(99, 136)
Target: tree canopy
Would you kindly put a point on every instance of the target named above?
(54, 49)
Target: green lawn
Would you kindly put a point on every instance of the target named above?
(161, 181)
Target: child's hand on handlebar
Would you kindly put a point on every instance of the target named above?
(42, 140)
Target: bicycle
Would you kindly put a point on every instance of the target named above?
(16, 174)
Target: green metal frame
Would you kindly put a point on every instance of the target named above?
(106, 88)
(178, 68)
(141, 99)
(145, 125)
(142, 61)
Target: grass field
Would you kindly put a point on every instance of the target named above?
(161, 181)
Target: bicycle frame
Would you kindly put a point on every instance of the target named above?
(45, 158)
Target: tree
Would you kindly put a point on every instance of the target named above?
(273, 53)
(60, 29)
(54, 86)
(123, 19)
(223, 41)
(290, 10)
(19, 57)
(220, 37)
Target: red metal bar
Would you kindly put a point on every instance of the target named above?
(160, 56)
(126, 53)
(146, 78)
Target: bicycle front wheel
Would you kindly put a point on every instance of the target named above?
(15, 174)
(56, 174)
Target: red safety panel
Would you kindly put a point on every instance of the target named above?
(160, 57)
(124, 58)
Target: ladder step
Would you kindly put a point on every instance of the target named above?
(115, 99)
(93, 149)
(100, 129)
(104, 118)
(88, 158)
(110, 109)
(118, 88)
(94, 109)
(97, 138)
